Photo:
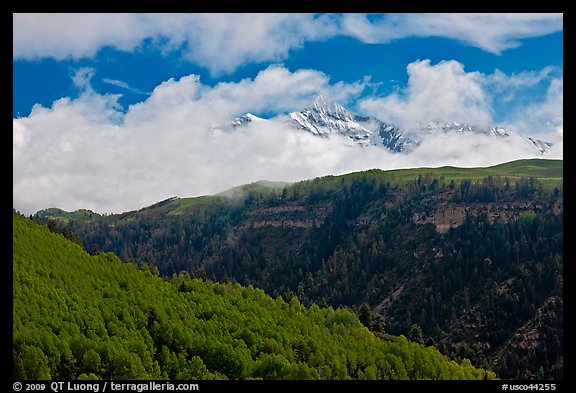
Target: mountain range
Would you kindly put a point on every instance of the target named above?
(325, 118)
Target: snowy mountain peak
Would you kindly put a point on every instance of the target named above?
(253, 117)
(328, 108)
(246, 118)
(326, 117)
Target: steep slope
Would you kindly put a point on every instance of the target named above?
(468, 254)
(245, 119)
(82, 316)
(325, 118)
(540, 145)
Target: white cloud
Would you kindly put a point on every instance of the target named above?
(545, 117)
(445, 92)
(123, 85)
(490, 32)
(75, 35)
(501, 82)
(87, 153)
(82, 78)
(531, 102)
(441, 92)
(223, 42)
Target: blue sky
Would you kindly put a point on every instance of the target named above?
(150, 81)
(43, 80)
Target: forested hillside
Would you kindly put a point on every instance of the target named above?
(82, 316)
(467, 259)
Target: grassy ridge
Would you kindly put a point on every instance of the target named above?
(78, 215)
(181, 205)
(549, 171)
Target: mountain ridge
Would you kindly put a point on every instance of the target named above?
(324, 117)
(546, 169)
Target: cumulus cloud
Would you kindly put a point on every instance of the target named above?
(445, 92)
(223, 42)
(87, 152)
(441, 92)
(90, 153)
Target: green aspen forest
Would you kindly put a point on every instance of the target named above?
(78, 316)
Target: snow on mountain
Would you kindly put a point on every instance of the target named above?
(434, 127)
(325, 118)
(540, 145)
(244, 119)
(241, 121)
